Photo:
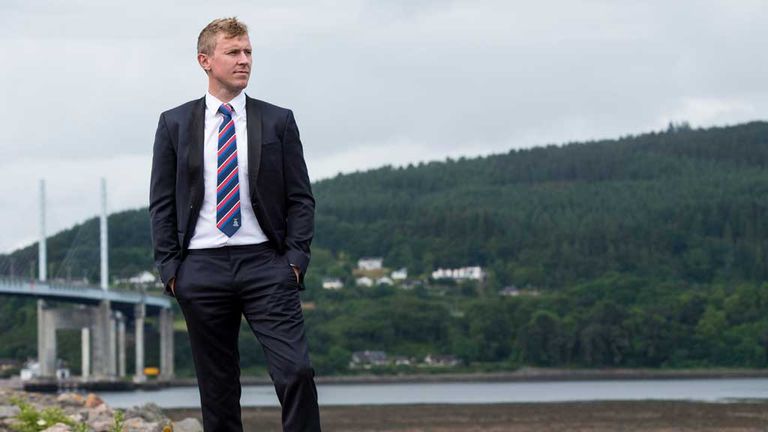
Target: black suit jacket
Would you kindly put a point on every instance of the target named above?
(280, 191)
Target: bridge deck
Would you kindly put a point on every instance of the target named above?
(78, 294)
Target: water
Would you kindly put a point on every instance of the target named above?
(706, 390)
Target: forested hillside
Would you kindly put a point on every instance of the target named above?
(683, 204)
(647, 250)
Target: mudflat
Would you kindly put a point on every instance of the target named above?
(600, 416)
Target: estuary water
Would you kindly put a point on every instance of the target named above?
(705, 390)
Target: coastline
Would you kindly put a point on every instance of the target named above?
(547, 374)
(527, 374)
(520, 375)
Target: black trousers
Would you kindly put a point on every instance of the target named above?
(215, 288)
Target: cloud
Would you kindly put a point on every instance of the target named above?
(703, 110)
(72, 192)
(371, 82)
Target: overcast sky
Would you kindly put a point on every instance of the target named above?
(370, 82)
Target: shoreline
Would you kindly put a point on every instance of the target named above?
(539, 374)
(520, 375)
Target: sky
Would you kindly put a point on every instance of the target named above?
(371, 83)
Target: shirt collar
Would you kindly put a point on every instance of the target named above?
(238, 103)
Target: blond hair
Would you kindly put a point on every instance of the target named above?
(231, 27)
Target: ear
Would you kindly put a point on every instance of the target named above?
(204, 61)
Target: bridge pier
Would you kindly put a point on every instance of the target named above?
(120, 343)
(101, 331)
(139, 311)
(85, 350)
(46, 339)
(166, 344)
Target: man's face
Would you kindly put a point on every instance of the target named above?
(229, 66)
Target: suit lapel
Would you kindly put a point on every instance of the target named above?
(195, 155)
(253, 114)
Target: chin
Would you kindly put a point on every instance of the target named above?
(239, 86)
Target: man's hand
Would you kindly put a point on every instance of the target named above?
(296, 270)
(173, 286)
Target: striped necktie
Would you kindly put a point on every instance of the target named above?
(228, 218)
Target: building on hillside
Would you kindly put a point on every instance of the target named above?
(462, 273)
(367, 359)
(144, 278)
(384, 280)
(402, 361)
(332, 283)
(448, 360)
(364, 281)
(510, 291)
(370, 263)
(400, 274)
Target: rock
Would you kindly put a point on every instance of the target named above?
(9, 411)
(85, 413)
(137, 424)
(58, 427)
(93, 401)
(77, 417)
(150, 412)
(189, 424)
(73, 399)
(101, 418)
(101, 424)
(100, 410)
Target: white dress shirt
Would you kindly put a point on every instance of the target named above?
(206, 234)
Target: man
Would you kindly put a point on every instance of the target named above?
(232, 220)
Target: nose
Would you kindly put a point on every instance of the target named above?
(243, 58)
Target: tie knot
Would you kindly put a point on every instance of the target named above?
(226, 109)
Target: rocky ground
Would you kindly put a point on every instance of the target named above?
(625, 416)
(23, 411)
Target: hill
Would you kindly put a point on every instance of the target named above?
(647, 250)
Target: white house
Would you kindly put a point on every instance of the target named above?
(144, 277)
(367, 359)
(399, 275)
(370, 263)
(332, 283)
(462, 273)
(402, 360)
(364, 281)
(384, 280)
(441, 360)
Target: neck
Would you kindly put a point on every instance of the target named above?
(223, 94)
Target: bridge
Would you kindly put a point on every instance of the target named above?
(102, 315)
